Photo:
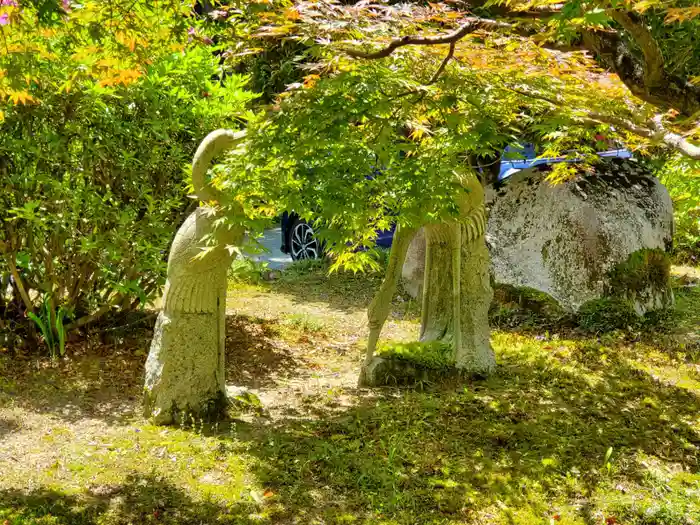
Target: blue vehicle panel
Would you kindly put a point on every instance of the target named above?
(509, 165)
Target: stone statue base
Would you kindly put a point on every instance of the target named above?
(387, 371)
(184, 370)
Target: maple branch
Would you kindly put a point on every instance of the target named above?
(674, 139)
(645, 76)
(433, 79)
(654, 130)
(443, 64)
(654, 70)
(471, 25)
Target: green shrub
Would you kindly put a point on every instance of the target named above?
(247, 270)
(93, 183)
(607, 314)
(682, 179)
(305, 323)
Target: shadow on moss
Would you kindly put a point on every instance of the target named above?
(521, 447)
(141, 499)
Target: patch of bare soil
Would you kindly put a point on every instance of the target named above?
(46, 405)
(294, 354)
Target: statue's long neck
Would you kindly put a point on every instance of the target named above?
(213, 144)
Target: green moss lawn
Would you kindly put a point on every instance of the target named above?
(574, 428)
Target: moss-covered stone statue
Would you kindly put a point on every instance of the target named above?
(185, 366)
(456, 293)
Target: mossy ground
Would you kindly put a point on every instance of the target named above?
(571, 429)
(434, 355)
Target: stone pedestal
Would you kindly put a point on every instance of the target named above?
(185, 369)
(387, 371)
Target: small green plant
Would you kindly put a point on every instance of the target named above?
(607, 465)
(51, 323)
(246, 270)
(304, 267)
(304, 323)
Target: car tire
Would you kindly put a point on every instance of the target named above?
(302, 242)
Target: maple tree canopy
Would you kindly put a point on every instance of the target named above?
(651, 47)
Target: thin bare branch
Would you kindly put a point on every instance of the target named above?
(471, 25)
(443, 64)
(654, 130)
(433, 79)
(674, 139)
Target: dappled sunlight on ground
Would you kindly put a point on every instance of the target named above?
(572, 429)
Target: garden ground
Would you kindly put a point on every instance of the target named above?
(573, 427)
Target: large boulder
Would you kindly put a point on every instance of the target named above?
(599, 234)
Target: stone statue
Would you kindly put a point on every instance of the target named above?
(457, 286)
(456, 291)
(185, 365)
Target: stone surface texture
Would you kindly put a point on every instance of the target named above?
(185, 365)
(413, 267)
(457, 289)
(564, 239)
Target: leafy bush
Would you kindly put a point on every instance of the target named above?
(246, 270)
(607, 314)
(682, 179)
(93, 164)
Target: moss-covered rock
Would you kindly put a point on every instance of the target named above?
(642, 280)
(638, 291)
(565, 239)
(643, 268)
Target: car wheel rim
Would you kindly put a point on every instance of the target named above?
(304, 245)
